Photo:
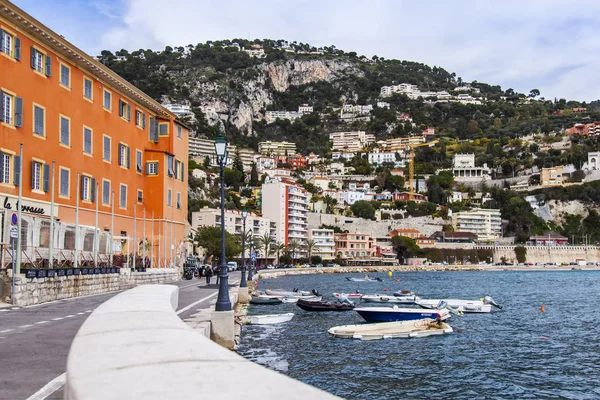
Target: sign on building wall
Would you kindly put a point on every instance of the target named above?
(30, 206)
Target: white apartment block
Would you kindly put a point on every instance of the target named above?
(234, 223)
(271, 116)
(405, 88)
(464, 168)
(287, 205)
(351, 197)
(305, 109)
(350, 141)
(277, 148)
(324, 243)
(199, 149)
(264, 162)
(383, 104)
(486, 224)
(378, 158)
(400, 144)
(256, 53)
(181, 110)
(341, 155)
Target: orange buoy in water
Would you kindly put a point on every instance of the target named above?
(397, 280)
(386, 290)
(542, 308)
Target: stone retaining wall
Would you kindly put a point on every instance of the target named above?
(29, 291)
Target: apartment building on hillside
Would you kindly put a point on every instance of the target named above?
(485, 223)
(324, 243)
(110, 158)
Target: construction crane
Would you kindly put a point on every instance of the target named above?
(411, 166)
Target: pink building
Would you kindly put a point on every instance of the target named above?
(351, 246)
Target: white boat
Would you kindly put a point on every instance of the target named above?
(466, 306)
(385, 298)
(283, 293)
(351, 296)
(365, 279)
(291, 299)
(268, 319)
(390, 314)
(392, 330)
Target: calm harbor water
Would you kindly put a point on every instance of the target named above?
(517, 353)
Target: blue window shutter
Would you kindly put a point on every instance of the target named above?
(81, 191)
(1, 105)
(93, 190)
(33, 51)
(1, 40)
(128, 112)
(182, 171)
(120, 108)
(48, 66)
(17, 170)
(18, 111)
(33, 174)
(46, 177)
(17, 48)
(119, 158)
(143, 121)
(128, 157)
(1, 165)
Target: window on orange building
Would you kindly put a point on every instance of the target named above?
(5, 167)
(10, 44)
(87, 88)
(138, 161)
(87, 140)
(107, 100)
(105, 192)
(123, 196)
(152, 168)
(64, 182)
(40, 62)
(11, 109)
(124, 110)
(169, 196)
(140, 119)
(65, 76)
(106, 148)
(179, 201)
(163, 129)
(140, 196)
(65, 131)
(39, 123)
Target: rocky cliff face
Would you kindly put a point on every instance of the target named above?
(241, 100)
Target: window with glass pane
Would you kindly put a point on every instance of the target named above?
(65, 75)
(138, 161)
(64, 182)
(123, 155)
(5, 176)
(87, 89)
(106, 148)
(39, 62)
(38, 120)
(107, 100)
(169, 194)
(87, 140)
(64, 131)
(123, 197)
(7, 41)
(36, 179)
(85, 187)
(7, 109)
(105, 192)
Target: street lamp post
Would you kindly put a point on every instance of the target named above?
(223, 302)
(251, 259)
(243, 279)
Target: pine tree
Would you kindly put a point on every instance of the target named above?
(254, 176)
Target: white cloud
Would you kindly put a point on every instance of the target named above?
(550, 45)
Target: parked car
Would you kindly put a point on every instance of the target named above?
(232, 266)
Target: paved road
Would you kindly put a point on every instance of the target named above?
(35, 340)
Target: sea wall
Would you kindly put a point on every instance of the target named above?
(426, 225)
(548, 254)
(29, 291)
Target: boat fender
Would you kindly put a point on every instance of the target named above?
(384, 298)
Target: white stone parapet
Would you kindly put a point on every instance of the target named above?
(135, 346)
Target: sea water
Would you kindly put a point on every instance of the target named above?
(515, 353)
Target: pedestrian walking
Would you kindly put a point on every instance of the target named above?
(208, 273)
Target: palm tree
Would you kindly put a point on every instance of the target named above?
(265, 242)
(309, 246)
(277, 249)
(292, 247)
(330, 203)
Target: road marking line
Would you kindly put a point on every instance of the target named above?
(69, 316)
(51, 387)
(57, 319)
(80, 313)
(41, 322)
(201, 300)
(88, 311)
(15, 308)
(6, 330)
(26, 326)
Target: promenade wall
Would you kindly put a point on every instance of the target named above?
(29, 291)
(134, 346)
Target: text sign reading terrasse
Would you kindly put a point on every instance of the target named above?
(28, 206)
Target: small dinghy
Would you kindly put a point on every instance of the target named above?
(466, 306)
(265, 300)
(384, 298)
(268, 319)
(365, 279)
(392, 330)
(291, 299)
(324, 305)
(351, 296)
(294, 293)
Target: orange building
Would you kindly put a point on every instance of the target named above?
(110, 158)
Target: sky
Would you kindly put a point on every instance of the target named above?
(549, 45)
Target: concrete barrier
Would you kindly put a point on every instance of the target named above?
(135, 346)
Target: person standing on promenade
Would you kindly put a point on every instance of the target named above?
(208, 272)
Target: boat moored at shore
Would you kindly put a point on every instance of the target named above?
(389, 314)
